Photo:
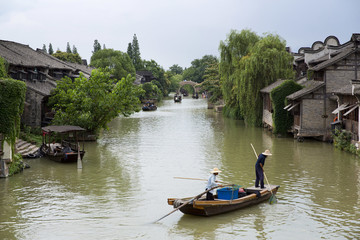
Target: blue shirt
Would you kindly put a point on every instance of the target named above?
(261, 160)
(211, 183)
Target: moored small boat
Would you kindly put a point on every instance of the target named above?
(69, 148)
(203, 207)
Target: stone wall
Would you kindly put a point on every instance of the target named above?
(267, 118)
(5, 160)
(32, 109)
(316, 121)
(336, 79)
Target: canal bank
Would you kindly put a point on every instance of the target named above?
(128, 174)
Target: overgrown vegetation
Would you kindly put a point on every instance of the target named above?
(68, 57)
(282, 119)
(342, 141)
(12, 98)
(17, 164)
(31, 134)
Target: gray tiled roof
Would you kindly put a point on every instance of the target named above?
(310, 86)
(22, 55)
(269, 88)
(331, 61)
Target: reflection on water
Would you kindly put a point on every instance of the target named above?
(129, 173)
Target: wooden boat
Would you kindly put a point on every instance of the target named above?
(203, 207)
(67, 150)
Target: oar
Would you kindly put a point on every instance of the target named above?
(272, 199)
(192, 199)
(200, 179)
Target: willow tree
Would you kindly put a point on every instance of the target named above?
(232, 50)
(266, 62)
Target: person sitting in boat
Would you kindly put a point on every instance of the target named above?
(67, 149)
(212, 183)
(259, 168)
(54, 147)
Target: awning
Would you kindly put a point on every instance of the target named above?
(293, 106)
(287, 106)
(352, 109)
(341, 107)
(62, 129)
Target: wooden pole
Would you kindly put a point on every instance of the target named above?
(200, 179)
(79, 162)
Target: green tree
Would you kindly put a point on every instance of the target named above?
(151, 91)
(211, 83)
(159, 73)
(97, 46)
(134, 54)
(119, 62)
(74, 50)
(44, 48)
(197, 69)
(176, 69)
(92, 103)
(68, 57)
(51, 50)
(68, 49)
(175, 82)
(129, 51)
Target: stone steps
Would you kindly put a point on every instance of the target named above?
(25, 148)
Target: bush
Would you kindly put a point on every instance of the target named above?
(342, 139)
(17, 165)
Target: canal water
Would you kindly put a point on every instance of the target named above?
(128, 174)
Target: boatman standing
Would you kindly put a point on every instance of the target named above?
(259, 168)
(212, 183)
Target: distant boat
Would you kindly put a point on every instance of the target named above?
(149, 107)
(203, 207)
(177, 98)
(196, 96)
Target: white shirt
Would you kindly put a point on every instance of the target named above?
(211, 183)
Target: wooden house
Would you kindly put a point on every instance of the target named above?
(267, 119)
(39, 71)
(330, 90)
(145, 76)
(329, 81)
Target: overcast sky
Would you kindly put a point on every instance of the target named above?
(172, 31)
